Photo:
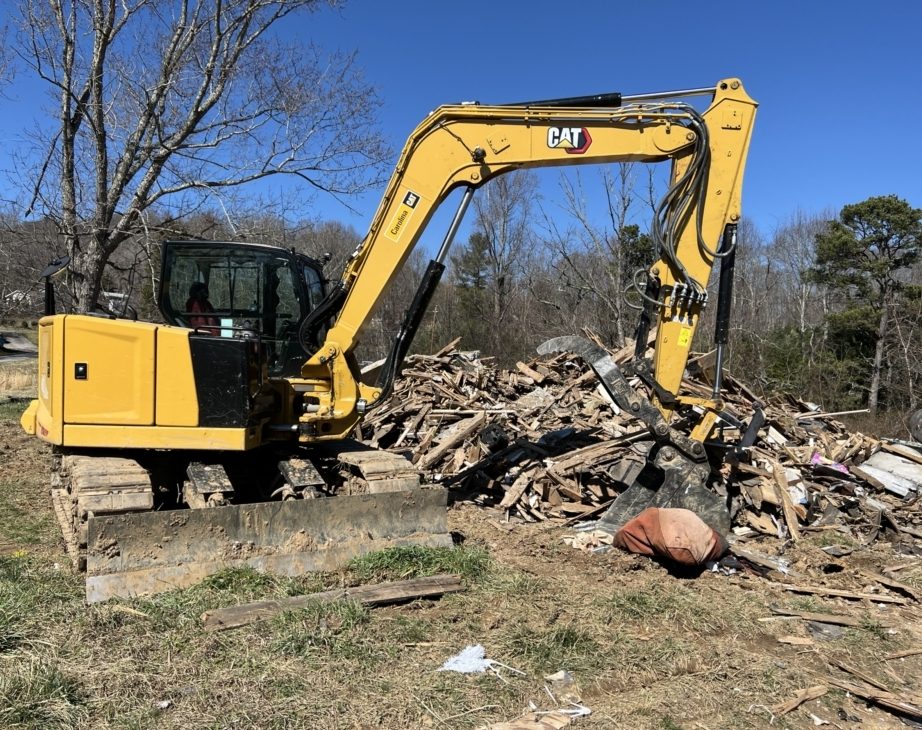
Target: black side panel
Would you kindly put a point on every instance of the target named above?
(221, 380)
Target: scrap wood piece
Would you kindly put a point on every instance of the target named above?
(787, 504)
(585, 456)
(515, 492)
(887, 700)
(369, 595)
(826, 618)
(764, 561)
(530, 372)
(837, 593)
(567, 487)
(866, 678)
(796, 641)
(590, 513)
(533, 721)
(468, 427)
(800, 696)
(893, 585)
(448, 348)
(903, 654)
(907, 452)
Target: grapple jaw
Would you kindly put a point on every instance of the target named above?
(681, 461)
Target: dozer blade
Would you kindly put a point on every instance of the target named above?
(684, 476)
(141, 553)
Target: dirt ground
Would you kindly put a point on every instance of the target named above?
(645, 649)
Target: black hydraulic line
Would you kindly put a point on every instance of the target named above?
(411, 321)
(593, 100)
(647, 316)
(724, 301)
(311, 324)
(53, 268)
(49, 297)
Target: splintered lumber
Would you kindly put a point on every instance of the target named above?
(893, 585)
(515, 492)
(836, 593)
(887, 700)
(836, 619)
(371, 595)
(473, 424)
(787, 505)
(800, 696)
(529, 372)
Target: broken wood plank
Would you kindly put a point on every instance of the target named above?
(893, 585)
(371, 595)
(515, 492)
(863, 676)
(836, 619)
(887, 700)
(837, 593)
(529, 372)
(448, 348)
(800, 696)
(764, 561)
(907, 452)
(451, 441)
(787, 504)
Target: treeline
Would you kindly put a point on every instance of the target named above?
(827, 306)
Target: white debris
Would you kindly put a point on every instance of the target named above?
(470, 660)
(473, 660)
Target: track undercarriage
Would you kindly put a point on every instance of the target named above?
(166, 520)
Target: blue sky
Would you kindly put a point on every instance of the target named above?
(839, 83)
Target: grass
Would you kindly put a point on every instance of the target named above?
(646, 650)
(547, 650)
(403, 563)
(674, 603)
(38, 694)
(19, 377)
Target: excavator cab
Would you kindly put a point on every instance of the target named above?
(242, 290)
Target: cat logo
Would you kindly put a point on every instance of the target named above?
(402, 216)
(575, 140)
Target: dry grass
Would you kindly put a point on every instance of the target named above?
(19, 377)
(646, 650)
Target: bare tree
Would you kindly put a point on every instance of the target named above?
(168, 105)
(488, 268)
(596, 260)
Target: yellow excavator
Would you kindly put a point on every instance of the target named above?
(223, 437)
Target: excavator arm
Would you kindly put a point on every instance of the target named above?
(465, 146)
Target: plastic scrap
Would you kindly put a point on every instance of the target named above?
(473, 660)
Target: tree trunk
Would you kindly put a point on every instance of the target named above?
(87, 268)
(879, 354)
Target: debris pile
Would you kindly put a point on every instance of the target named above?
(545, 442)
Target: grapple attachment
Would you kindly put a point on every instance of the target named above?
(677, 467)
